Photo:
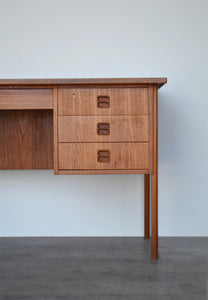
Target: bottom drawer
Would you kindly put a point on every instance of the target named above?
(105, 156)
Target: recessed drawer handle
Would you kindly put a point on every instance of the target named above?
(103, 156)
(103, 101)
(103, 128)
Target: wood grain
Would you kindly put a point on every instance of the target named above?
(123, 101)
(26, 139)
(85, 156)
(26, 98)
(85, 128)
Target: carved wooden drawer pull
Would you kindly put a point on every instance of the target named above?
(103, 156)
(103, 101)
(103, 128)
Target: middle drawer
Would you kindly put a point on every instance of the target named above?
(103, 129)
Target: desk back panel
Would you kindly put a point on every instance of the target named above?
(26, 139)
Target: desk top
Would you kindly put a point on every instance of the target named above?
(62, 81)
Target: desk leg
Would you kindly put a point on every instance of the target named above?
(154, 216)
(146, 206)
(154, 185)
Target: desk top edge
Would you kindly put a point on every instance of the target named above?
(56, 81)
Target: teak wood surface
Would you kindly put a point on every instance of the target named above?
(26, 98)
(84, 156)
(119, 129)
(84, 101)
(84, 126)
(26, 139)
(85, 81)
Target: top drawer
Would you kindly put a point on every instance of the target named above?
(103, 101)
(26, 98)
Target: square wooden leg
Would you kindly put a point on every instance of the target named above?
(146, 206)
(154, 216)
(154, 185)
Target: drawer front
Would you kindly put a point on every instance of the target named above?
(103, 101)
(26, 98)
(105, 156)
(103, 128)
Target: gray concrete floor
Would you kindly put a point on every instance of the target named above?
(103, 269)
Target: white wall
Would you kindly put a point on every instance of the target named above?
(112, 38)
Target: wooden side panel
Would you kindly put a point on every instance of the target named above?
(55, 130)
(28, 98)
(84, 101)
(103, 156)
(116, 128)
(26, 139)
(151, 126)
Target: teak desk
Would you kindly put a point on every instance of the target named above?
(84, 126)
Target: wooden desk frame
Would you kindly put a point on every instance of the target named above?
(33, 104)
